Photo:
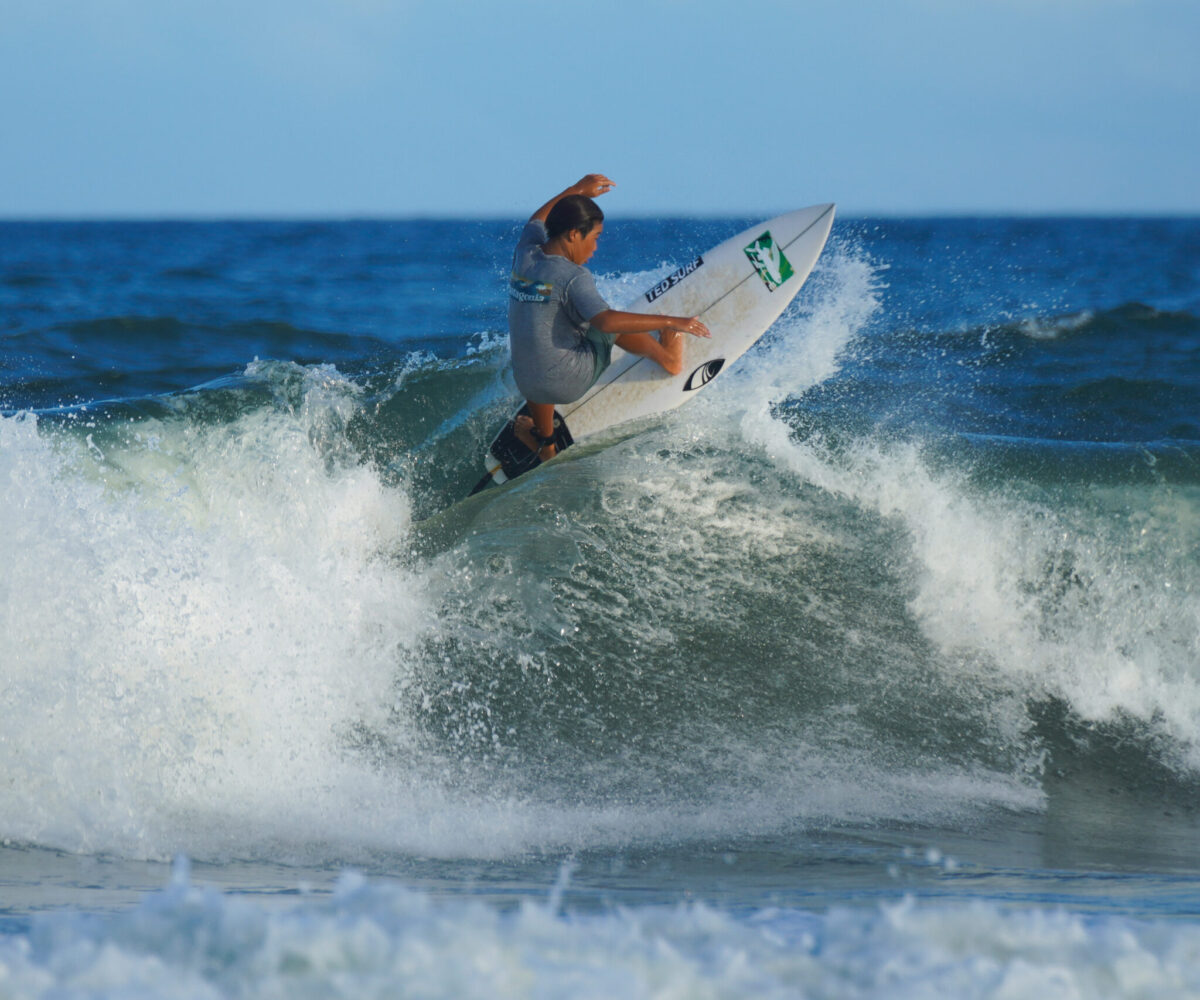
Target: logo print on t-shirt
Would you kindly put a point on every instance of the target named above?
(524, 290)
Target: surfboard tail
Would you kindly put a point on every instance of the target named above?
(483, 484)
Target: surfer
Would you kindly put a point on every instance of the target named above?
(561, 331)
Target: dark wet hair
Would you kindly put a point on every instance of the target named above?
(575, 211)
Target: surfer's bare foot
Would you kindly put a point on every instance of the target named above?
(523, 431)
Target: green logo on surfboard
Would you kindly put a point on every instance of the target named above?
(768, 260)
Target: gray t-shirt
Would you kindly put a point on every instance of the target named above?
(550, 302)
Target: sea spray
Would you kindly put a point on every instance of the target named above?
(195, 612)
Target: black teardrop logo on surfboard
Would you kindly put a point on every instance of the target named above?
(704, 374)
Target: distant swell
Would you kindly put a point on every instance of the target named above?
(128, 357)
(1131, 319)
(1128, 375)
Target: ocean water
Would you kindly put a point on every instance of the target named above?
(874, 671)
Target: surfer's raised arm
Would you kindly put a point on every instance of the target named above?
(591, 186)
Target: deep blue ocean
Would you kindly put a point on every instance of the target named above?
(873, 671)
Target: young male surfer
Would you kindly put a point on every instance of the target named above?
(560, 329)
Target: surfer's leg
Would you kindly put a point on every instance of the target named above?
(542, 420)
(666, 349)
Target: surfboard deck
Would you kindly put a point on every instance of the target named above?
(738, 288)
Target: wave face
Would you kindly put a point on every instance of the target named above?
(927, 554)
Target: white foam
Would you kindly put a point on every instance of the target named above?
(192, 614)
(1089, 596)
(375, 940)
(1054, 327)
(1074, 602)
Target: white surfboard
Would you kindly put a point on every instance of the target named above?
(738, 289)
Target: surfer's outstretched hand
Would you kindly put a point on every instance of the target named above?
(594, 185)
(691, 325)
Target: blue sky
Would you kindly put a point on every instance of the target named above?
(406, 107)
